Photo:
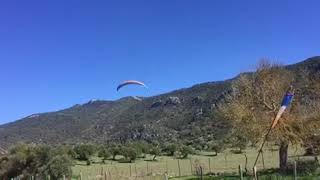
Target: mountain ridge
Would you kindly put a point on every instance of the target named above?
(165, 116)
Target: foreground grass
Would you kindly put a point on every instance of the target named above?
(226, 162)
(265, 177)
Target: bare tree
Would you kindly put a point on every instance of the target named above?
(255, 101)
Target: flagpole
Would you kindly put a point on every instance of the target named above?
(262, 145)
(285, 103)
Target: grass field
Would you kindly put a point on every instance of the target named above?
(226, 162)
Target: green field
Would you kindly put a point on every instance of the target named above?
(226, 162)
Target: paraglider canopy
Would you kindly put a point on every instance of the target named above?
(130, 82)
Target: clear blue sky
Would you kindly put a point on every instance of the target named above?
(58, 53)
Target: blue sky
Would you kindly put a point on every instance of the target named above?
(55, 54)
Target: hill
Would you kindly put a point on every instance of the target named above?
(187, 114)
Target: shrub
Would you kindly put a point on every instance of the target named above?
(304, 167)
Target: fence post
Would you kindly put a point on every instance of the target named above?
(147, 168)
(64, 177)
(80, 175)
(191, 166)
(167, 171)
(179, 168)
(165, 176)
(295, 170)
(255, 177)
(240, 172)
(130, 170)
(106, 175)
(201, 173)
(135, 169)
(209, 165)
(101, 172)
(262, 160)
(110, 174)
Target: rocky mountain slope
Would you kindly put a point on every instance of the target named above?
(186, 113)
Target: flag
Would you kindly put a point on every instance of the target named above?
(285, 103)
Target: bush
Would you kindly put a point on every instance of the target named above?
(304, 167)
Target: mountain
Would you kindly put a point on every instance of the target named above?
(186, 113)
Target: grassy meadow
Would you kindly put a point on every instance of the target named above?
(226, 162)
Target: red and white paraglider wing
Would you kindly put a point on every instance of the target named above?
(130, 82)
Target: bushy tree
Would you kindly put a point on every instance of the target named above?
(170, 149)
(216, 146)
(30, 160)
(57, 166)
(114, 150)
(155, 151)
(129, 153)
(104, 153)
(184, 151)
(84, 151)
(142, 148)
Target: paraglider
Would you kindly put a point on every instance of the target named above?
(131, 82)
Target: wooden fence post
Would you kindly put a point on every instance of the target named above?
(165, 176)
(201, 173)
(209, 165)
(264, 167)
(105, 175)
(64, 177)
(191, 166)
(179, 168)
(147, 168)
(110, 174)
(167, 170)
(80, 175)
(130, 170)
(295, 170)
(135, 169)
(240, 172)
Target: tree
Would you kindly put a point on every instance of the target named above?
(216, 146)
(184, 151)
(254, 103)
(155, 151)
(31, 160)
(84, 151)
(57, 167)
(114, 149)
(129, 153)
(142, 148)
(104, 153)
(171, 149)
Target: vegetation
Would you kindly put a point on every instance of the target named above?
(219, 118)
(25, 161)
(255, 102)
(84, 151)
